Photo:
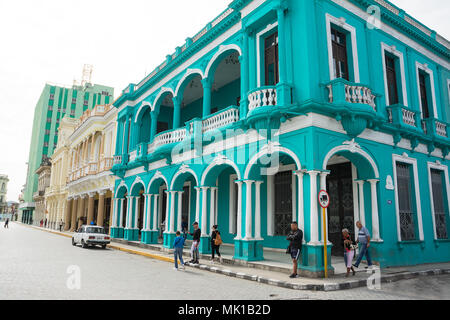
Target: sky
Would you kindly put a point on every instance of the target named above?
(50, 41)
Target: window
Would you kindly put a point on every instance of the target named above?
(405, 204)
(47, 132)
(74, 100)
(49, 120)
(50, 108)
(86, 102)
(271, 62)
(391, 78)
(438, 195)
(424, 94)
(52, 96)
(340, 60)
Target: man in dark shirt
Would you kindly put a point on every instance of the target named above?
(295, 246)
(195, 243)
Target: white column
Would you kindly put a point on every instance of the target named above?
(121, 212)
(172, 211)
(248, 210)
(314, 232)
(204, 211)
(180, 195)
(375, 217)
(258, 210)
(197, 206)
(114, 217)
(300, 202)
(232, 217)
(147, 206)
(166, 222)
(155, 212)
(137, 213)
(239, 212)
(212, 209)
(270, 203)
(362, 215)
(129, 213)
(323, 186)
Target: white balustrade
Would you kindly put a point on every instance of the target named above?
(167, 138)
(117, 159)
(409, 117)
(441, 129)
(359, 94)
(220, 120)
(262, 98)
(133, 155)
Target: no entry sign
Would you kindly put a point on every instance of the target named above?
(324, 199)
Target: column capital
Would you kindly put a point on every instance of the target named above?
(207, 83)
(102, 192)
(92, 194)
(313, 172)
(300, 172)
(360, 182)
(373, 181)
(325, 173)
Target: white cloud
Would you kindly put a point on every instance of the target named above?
(50, 40)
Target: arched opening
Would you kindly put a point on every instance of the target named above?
(223, 202)
(350, 196)
(137, 194)
(185, 186)
(122, 196)
(144, 125)
(190, 94)
(164, 108)
(226, 87)
(278, 194)
(158, 186)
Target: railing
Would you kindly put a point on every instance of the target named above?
(353, 93)
(167, 137)
(441, 129)
(262, 97)
(409, 117)
(117, 159)
(220, 119)
(133, 155)
(93, 167)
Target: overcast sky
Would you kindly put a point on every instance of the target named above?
(50, 41)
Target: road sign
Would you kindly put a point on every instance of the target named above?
(324, 199)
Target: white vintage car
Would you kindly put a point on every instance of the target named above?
(91, 235)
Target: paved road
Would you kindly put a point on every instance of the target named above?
(34, 265)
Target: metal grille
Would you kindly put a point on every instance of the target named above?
(283, 203)
(440, 216)
(407, 216)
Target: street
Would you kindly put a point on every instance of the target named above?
(35, 264)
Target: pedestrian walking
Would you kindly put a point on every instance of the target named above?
(364, 245)
(60, 225)
(178, 245)
(349, 251)
(195, 243)
(216, 241)
(295, 239)
(7, 223)
(41, 223)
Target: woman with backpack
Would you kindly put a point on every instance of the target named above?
(216, 241)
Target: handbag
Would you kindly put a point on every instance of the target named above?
(354, 247)
(218, 241)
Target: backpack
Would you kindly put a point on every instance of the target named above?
(218, 241)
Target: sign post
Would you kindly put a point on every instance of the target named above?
(324, 201)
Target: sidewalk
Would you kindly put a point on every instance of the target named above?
(263, 272)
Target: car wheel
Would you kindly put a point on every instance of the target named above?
(103, 246)
(73, 242)
(83, 244)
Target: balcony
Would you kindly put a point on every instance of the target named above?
(353, 104)
(167, 138)
(219, 120)
(404, 118)
(436, 128)
(262, 97)
(93, 168)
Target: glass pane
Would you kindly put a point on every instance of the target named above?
(438, 202)
(407, 223)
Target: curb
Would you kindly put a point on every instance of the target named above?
(351, 284)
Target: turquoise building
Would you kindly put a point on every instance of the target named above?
(275, 100)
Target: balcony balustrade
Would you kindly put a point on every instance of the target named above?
(262, 97)
(405, 118)
(343, 91)
(219, 120)
(166, 138)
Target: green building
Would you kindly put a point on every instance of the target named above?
(54, 103)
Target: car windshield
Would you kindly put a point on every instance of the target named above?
(95, 230)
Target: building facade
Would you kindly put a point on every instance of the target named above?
(54, 104)
(81, 185)
(275, 100)
(3, 193)
(43, 173)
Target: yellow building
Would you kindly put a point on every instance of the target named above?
(83, 165)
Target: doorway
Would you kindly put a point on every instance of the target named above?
(341, 209)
